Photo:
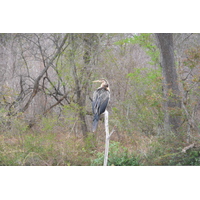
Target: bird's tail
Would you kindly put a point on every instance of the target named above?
(95, 123)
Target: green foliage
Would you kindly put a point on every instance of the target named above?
(48, 123)
(4, 119)
(40, 149)
(167, 150)
(143, 104)
(189, 68)
(191, 158)
(118, 156)
(28, 149)
(145, 40)
(20, 145)
(142, 108)
(90, 142)
(192, 57)
(69, 112)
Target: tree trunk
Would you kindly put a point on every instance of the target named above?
(171, 89)
(82, 79)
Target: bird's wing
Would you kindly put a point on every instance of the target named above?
(95, 102)
(104, 102)
(100, 101)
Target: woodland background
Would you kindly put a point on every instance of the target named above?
(46, 89)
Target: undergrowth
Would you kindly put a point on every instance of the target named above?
(48, 143)
(118, 156)
(167, 150)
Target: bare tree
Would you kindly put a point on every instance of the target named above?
(47, 64)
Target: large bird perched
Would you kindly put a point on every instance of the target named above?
(100, 101)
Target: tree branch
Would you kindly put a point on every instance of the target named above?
(55, 104)
(36, 84)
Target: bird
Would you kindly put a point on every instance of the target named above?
(101, 97)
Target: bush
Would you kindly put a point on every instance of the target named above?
(118, 156)
(167, 151)
(191, 158)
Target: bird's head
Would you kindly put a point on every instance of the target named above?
(104, 83)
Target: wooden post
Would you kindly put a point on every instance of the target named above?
(107, 140)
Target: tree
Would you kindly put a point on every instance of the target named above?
(47, 64)
(170, 86)
(82, 57)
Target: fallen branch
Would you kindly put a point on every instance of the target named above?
(188, 147)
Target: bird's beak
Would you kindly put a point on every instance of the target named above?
(97, 81)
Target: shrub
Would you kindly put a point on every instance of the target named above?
(118, 156)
